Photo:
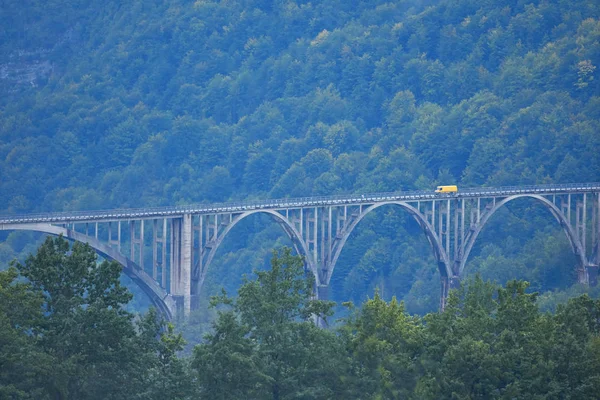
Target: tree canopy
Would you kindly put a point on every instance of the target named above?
(65, 334)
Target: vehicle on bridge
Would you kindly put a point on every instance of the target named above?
(447, 189)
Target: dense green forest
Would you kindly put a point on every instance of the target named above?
(139, 103)
(65, 335)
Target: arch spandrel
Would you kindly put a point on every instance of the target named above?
(159, 297)
(439, 252)
(554, 210)
(299, 244)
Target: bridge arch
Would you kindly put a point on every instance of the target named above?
(299, 244)
(438, 249)
(158, 296)
(558, 215)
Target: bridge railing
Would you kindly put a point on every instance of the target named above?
(149, 212)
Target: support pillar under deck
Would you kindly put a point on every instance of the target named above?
(323, 292)
(186, 262)
(181, 263)
(592, 275)
(448, 283)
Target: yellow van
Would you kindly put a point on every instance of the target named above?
(447, 189)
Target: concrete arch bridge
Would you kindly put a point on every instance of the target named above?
(184, 239)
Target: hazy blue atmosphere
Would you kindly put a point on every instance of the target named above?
(122, 104)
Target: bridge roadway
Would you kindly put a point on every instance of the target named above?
(186, 238)
(286, 203)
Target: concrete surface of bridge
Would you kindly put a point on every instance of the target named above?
(185, 239)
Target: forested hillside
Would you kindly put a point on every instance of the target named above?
(140, 103)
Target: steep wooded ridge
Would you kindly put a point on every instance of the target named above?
(154, 103)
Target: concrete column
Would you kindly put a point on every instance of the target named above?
(154, 250)
(329, 231)
(569, 208)
(323, 292)
(456, 233)
(132, 240)
(597, 229)
(582, 275)
(594, 218)
(181, 262)
(197, 255)
(302, 224)
(448, 228)
(323, 255)
(315, 239)
(186, 262)
(141, 243)
(163, 261)
(448, 283)
(441, 224)
(584, 228)
(174, 256)
(592, 275)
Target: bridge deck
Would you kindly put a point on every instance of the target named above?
(291, 203)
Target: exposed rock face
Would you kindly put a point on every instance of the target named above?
(25, 73)
(28, 67)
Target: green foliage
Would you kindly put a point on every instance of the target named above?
(267, 346)
(85, 329)
(488, 346)
(170, 376)
(226, 364)
(65, 333)
(24, 366)
(383, 342)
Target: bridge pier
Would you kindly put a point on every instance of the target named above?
(181, 263)
(323, 292)
(590, 277)
(593, 275)
(447, 284)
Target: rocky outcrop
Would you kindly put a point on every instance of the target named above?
(28, 67)
(25, 73)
